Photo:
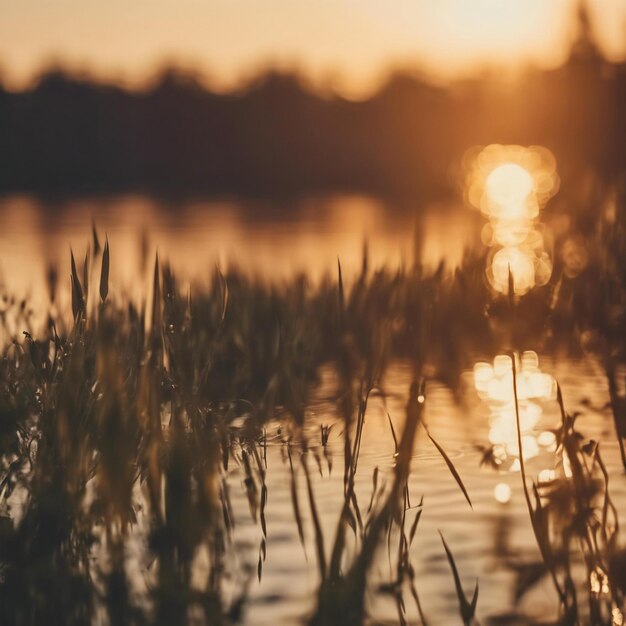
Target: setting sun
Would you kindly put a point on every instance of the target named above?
(509, 187)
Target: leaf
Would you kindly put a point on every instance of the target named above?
(350, 519)
(156, 299)
(365, 259)
(318, 461)
(317, 527)
(262, 509)
(104, 274)
(416, 521)
(86, 272)
(224, 292)
(96, 241)
(78, 301)
(418, 604)
(467, 608)
(250, 485)
(295, 503)
(340, 294)
(393, 433)
(451, 467)
(374, 485)
(528, 575)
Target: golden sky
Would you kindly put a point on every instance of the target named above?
(347, 43)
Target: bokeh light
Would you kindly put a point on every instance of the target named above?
(494, 385)
(574, 255)
(519, 262)
(502, 493)
(510, 185)
(509, 188)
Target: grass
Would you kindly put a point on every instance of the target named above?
(122, 419)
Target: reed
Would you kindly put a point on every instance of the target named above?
(123, 424)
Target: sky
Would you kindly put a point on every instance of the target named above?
(345, 44)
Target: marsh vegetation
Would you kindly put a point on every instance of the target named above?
(158, 452)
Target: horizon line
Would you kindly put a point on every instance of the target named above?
(250, 79)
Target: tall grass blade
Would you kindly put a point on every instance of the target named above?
(86, 266)
(340, 295)
(416, 521)
(78, 300)
(224, 292)
(319, 536)
(451, 467)
(393, 434)
(104, 273)
(96, 240)
(293, 489)
(374, 487)
(468, 609)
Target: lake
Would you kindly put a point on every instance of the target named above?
(270, 240)
(275, 242)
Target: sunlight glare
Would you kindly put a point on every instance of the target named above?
(522, 267)
(510, 185)
(494, 385)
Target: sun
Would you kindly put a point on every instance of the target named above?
(509, 187)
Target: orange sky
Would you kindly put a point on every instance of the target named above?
(347, 43)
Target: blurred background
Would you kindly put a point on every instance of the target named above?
(285, 133)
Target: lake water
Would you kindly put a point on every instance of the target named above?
(287, 590)
(269, 239)
(196, 235)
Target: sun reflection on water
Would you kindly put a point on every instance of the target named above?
(509, 189)
(494, 384)
(510, 185)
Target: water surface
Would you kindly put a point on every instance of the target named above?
(274, 242)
